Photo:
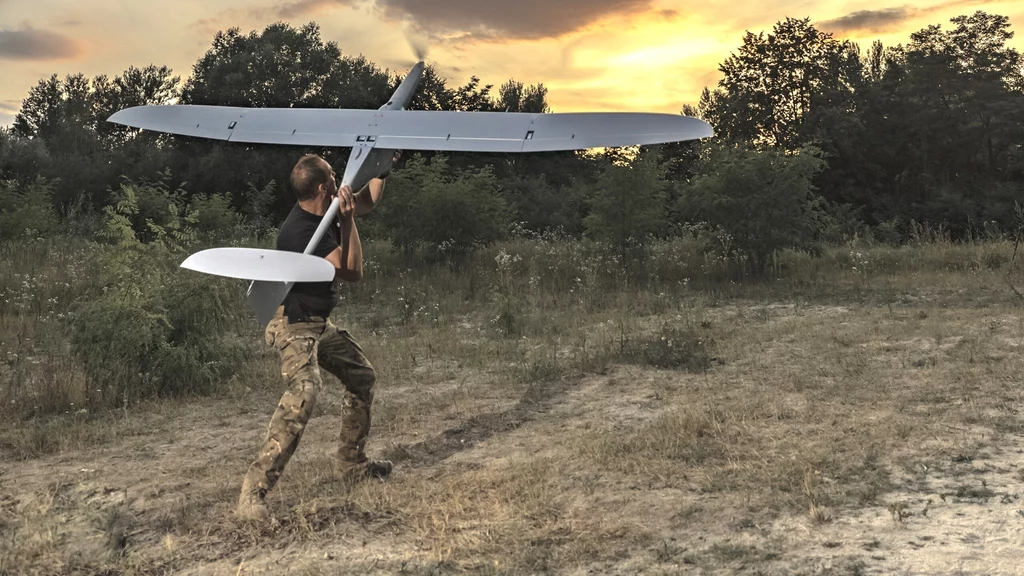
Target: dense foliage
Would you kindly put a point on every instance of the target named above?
(817, 142)
(927, 132)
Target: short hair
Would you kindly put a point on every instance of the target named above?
(309, 173)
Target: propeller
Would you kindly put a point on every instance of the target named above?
(418, 45)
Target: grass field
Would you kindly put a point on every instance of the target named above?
(856, 412)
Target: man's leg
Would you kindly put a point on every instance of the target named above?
(343, 357)
(297, 346)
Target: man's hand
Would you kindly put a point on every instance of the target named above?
(346, 203)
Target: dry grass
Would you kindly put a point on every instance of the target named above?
(804, 424)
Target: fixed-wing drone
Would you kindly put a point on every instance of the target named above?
(374, 136)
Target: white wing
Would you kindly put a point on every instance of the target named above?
(258, 264)
(417, 130)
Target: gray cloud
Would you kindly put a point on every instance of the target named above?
(889, 19)
(31, 44)
(526, 19)
(301, 7)
(870, 20)
(485, 19)
(11, 106)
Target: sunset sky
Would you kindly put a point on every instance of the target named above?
(631, 55)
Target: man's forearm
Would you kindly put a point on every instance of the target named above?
(351, 252)
(368, 197)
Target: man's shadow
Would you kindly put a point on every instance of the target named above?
(538, 398)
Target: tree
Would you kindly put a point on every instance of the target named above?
(515, 96)
(282, 67)
(772, 83)
(61, 113)
(938, 127)
(68, 117)
(970, 82)
(147, 86)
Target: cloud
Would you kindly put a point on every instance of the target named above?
(870, 20)
(290, 10)
(31, 44)
(485, 19)
(9, 106)
(525, 19)
(889, 19)
(302, 7)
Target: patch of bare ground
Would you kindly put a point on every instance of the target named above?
(793, 439)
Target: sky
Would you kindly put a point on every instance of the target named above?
(592, 55)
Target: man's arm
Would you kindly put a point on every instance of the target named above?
(351, 252)
(347, 258)
(368, 197)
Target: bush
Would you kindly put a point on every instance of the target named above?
(26, 211)
(156, 330)
(449, 212)
(171, 343)
(628, 206)
(542, 208)
(149, 211)
(765, 201)
(214, 216)
(22, 159)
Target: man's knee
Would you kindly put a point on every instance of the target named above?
(361, 382)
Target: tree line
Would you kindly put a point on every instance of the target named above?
(817, 140)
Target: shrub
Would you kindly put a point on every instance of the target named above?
(214, 215)
(148, 211)
(765, 201)
(450, 212)
(172, 342)
(628, 206)
(156, 330)
(26, 211)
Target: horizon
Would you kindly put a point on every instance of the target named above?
(604, 55)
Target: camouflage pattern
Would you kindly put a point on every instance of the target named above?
(303, 347)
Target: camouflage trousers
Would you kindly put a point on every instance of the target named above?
(303, 347)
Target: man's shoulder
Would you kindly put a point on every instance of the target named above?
(296, 228)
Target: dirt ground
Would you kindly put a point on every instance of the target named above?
(819, 440)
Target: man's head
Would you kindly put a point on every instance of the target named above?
(311, 176)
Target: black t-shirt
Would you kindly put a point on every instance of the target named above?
(308, 298)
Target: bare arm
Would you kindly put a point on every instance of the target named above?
(347, 258)
(368, 197)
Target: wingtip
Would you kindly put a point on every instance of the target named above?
(117, 117)
(124, 116)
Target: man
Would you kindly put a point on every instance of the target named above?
(304, 337)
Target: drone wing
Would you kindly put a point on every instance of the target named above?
(259, 264)
(417, 130)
